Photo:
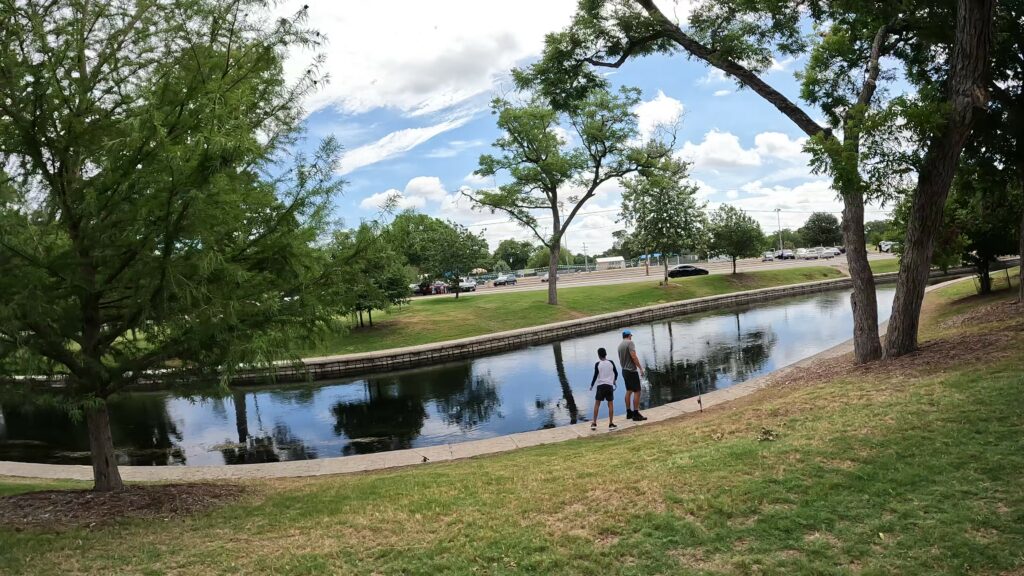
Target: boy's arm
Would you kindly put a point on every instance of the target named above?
(594, 379)
(615, 382)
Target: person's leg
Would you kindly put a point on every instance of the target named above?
(611, 414)
(629, 407)
(597, 409)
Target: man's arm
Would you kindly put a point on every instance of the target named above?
(615, 382)
(636, 361)
(594, 379)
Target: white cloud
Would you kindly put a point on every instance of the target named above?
(476, 181)
(719, 150)
(422, 57)
(454, 148)
(661, 111)
(781, 65)
(720, 93)
(779, 145)
(714, 76)
(402, 202)
(395, 144)
(563, 135)
(426, 187)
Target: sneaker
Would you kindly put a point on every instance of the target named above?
(612, 426)
(637, 416)
(629, 414)
(593, 425)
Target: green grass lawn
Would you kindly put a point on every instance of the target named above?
(883, 266)
(435, 319)
(910, 466)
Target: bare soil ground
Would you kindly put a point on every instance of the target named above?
(57, 510)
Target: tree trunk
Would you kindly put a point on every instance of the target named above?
(361, 319)
(866, 345)
(556, 249)
(733, 264)
(1020, 269)
(105, 474)
(967, 65)
(665, 265)
(369, 315)
(984, 277)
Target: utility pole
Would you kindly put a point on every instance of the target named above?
(778, 216)
(586, 261)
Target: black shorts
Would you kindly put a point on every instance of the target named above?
(605, 393)
(632, 379)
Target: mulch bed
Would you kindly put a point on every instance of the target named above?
(64, 509)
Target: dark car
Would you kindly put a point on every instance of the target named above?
(505, 280)
(686, 270)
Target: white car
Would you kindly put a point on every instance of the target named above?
(834, 251)
(823, 252)
(467, 285)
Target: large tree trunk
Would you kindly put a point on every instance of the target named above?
(984, 277)
(1020, 284)
(866, 345)
(664, 262)
(556, 249)
(105, 474)
(733, 264)
(967, 65)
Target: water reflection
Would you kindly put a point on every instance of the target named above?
(527, 389)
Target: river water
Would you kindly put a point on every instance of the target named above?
(528, 389)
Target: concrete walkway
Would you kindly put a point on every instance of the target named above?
(441, 453)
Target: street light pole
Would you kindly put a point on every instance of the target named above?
(586, 261)
(778, 216)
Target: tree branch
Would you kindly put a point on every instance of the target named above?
(741, 73)
(631, 46)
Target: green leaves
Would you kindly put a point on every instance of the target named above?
(151, 214)
(734, 233)
(663, 209)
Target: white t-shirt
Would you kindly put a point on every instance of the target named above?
(605, 373)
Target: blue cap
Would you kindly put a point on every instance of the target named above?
(627, 332)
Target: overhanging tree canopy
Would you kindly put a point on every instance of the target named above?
(145, 194)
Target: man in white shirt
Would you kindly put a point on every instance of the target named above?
(605, 375)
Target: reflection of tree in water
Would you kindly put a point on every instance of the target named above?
(382, 423)
(462, 399)
(140, 424)
(280, 444)
(734, 359)
(563, 381)
(393, 413)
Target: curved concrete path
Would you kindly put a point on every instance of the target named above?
(440, 453)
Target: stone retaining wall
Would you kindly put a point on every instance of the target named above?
(332, 367)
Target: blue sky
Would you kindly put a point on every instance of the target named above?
(408, 97)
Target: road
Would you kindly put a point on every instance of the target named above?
(605, 277)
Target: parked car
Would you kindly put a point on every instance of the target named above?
(834, 251)
(768, 257)
(545, 277)
(505, 280)
(887, 245)
(467, 285)
(684, 270)
(785, 255)
(416, 289)
(823, 252)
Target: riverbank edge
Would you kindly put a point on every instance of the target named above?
(392, 359)
(413, 456)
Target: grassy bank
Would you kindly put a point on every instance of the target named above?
(883, 266)
(905, 467)
(436, 319)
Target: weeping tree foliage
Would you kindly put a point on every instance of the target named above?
(663, 210)
(861, 143)
(149, 217)
(551, 179)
